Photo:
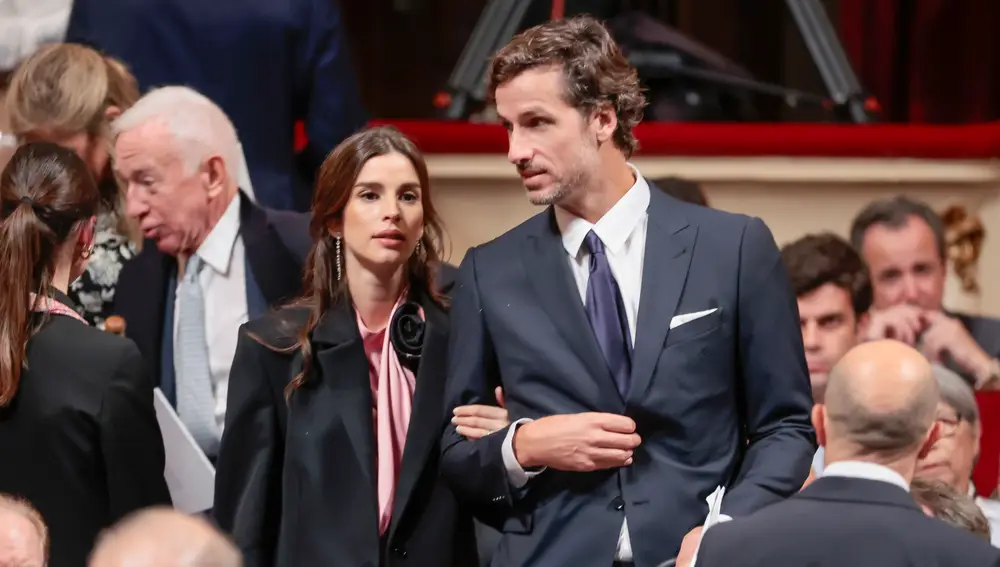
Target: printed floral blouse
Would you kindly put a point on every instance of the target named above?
(94, 291)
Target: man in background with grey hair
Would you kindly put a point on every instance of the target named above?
(161, 537)
(878, 419)
(953, 456)
(211, 259)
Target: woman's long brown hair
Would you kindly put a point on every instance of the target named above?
(334, 185)
(46, 191)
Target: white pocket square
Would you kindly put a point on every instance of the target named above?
(679, 320)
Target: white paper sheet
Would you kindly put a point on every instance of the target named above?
(190, 475)
(714, 509)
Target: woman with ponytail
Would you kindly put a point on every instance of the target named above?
(78, 432)
(324, 395)
(69, 94)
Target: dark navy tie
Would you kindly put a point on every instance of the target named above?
(606, 312)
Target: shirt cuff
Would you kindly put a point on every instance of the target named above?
(516, 475)
(724, 518)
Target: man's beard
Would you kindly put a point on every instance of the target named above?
(562, 189)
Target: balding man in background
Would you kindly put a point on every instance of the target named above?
(879, 417)
(161, 537)
(211, 259)
(24, 538)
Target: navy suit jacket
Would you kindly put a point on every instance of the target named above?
(276, 245)
(723, 399)
(267, 63)
(838, 521)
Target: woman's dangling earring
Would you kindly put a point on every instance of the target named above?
(87, 252)
(340, 268)
(418, 249)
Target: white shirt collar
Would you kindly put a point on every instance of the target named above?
(615, 227)
(866, 470)
(217, 249)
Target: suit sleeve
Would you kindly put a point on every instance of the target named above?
(248, 469)
(774, 389)
(327, 94)
(473, 468)
(131, 443)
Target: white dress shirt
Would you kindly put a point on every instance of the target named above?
(223, 281)
(623, 232)
(867, 471)
(991, 509)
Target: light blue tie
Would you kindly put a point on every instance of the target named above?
(195, 393)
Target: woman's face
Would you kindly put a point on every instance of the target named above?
(384, 216)
(88, 146)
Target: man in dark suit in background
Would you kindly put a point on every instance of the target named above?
(267, 63)
(615, 450)
(211, 259)
(903, 243)
(879, 417)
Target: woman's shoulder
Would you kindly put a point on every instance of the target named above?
(64, 344)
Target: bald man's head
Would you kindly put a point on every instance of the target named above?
(23, 535)
(162, 537)
(881, 401)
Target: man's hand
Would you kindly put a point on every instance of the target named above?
(579, 442)
(949, 335)
(478, 421)
(900, 322)
(688, 546)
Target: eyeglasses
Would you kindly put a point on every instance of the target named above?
(948, 425)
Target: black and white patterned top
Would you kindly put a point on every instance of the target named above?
(94, 292)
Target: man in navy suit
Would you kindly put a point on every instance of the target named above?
(211, 259)
(267, 63)
(649, 349)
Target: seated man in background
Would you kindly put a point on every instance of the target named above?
(834, 294)
(211, 259)
(953, 456)
(161, 537)
(941, 501)
(24, 538)
(903, 243)
(682, 189)
(878, 419)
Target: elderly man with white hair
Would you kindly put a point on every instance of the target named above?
(211, 258)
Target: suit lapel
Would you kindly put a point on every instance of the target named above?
(427, 417)
(141, 299)
(344, 388)
(273, 268)
(547, 268)
(669, 243)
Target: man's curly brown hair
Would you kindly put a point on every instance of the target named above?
(595, 71)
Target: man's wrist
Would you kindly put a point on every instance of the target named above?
(522, 451)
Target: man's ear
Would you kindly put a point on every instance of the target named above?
(819, 423)
(932, 436)
(604, 121)
(215, 176)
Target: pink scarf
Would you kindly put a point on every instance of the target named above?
(392, 392)
(49, 305)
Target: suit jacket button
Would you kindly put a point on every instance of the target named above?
(618, 503)
(399, 551)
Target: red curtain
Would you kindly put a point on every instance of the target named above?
(927, 60)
